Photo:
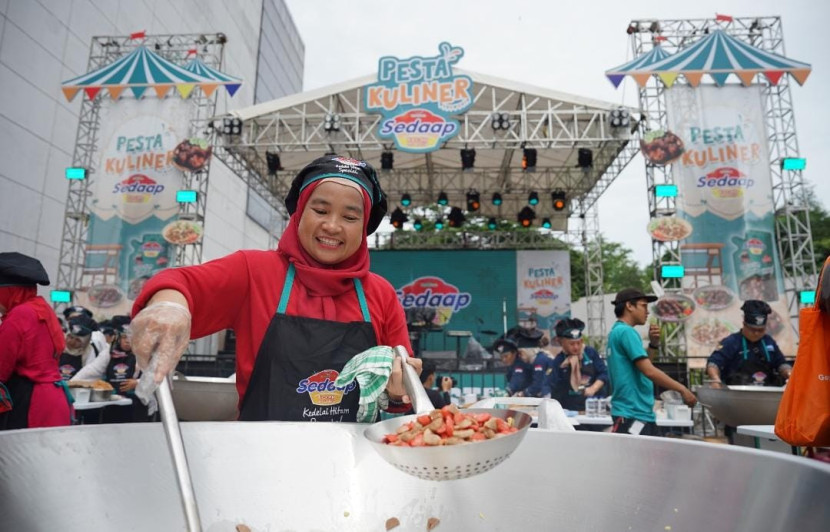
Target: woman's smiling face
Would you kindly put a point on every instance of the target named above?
(331, 226)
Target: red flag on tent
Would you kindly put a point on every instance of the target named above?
(138, 35)
(192, 51)
(723, 18)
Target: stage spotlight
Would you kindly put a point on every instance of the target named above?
(232, 126)
(533, 198)
(398, 218)
(456, 217)
(546, 223)
(468, 158)
(442, 198)
(332, 122)
(526, 216)
(473, 201)
(500, 121)
(492, 224)
(633, 28)
(406, 200)
(559, 200)
(439, 223)
(619, 117)
(654, 27)
(529, 159)
(585, 158)
(496, 199)
(418, 225)
(273, 161)
(386, 160)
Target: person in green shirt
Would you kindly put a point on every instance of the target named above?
(632, 374)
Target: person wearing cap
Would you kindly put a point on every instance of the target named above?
(749, 356)
(541, 367)
(438, 397)
(98, 339)
(31, 391)
(578, 371)
(118, 367)
(300, 311)
(519, 373)
(526, 333)
(80, 351)
(633, 376)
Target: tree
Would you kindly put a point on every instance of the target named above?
(619, 270)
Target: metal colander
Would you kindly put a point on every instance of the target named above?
(444, 462)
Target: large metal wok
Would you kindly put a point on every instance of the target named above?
(325, 476)
(205, 398)
(742, 405)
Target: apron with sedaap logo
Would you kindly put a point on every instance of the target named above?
(298, 362)
(755, 367)
(120, 368)
(69, 365)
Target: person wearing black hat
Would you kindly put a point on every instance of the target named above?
(526, 334)
(519, 373)
(31, 391)
(633, 376)
(300, 312)
(80, 351)
(749, 356)
(578, 371)
(98, 339)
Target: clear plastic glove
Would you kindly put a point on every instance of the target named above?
(161, 332)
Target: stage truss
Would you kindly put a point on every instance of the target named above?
(104, 50)
(795, 245)
(557, 125)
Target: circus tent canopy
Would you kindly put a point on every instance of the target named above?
(198, 67)
(637, 65)
(718, 55)
(138, 71)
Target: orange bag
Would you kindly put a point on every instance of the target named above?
(804, 413)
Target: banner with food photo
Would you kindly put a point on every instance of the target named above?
(543, 283)
(133, 204)
(717, 147)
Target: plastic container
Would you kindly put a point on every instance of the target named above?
(602, 407)
(591, 407)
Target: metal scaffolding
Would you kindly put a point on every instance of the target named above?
(556, 125)
(104, 50)
(790, 198)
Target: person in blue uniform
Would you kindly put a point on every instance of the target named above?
(541, 365)
(578, 371)
(749, 356)
(518, 372)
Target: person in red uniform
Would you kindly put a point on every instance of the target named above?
(300, 312)
(31, 340)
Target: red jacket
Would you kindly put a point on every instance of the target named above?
(26, 349)
(241, 292)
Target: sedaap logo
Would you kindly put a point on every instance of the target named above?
(138, 188)
(544, 296)
(726, 182)
(321, 389)
(418, 129)
(434, 292)
(349, 161)
(755, 246)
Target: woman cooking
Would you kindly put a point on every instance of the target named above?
(31, 339)
(300, 312)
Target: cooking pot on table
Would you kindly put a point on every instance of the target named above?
(326, 476)
(205, 398)
(742, 405)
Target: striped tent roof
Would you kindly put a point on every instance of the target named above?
(719, 55)
(197, 66)
(138, 71)
(638, 64)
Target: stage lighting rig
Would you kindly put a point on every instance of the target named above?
(492, 224)
(559, 200)
(585, 158)
(232, 126)
(526, 216)
(473, 201)
(442, 199)
(468, 158)
(398, 218)
(406, 200)
(619, 117)
(387, 160)
(418, 225)
(272, 159)
(456, 217)
(332, 122)
(533, 198)
(500, 121)
(529, 159)
(496, 199)
(546, 223)
(439, 224)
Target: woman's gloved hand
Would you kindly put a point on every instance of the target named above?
(160, 334)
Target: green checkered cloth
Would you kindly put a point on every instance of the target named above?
(371, 368)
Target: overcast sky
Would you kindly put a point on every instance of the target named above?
(565, 46)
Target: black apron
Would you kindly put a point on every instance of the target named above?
(569, 398)
(298, 362)
(120, 368)
(754, 369)
(69, 365)
(20, 392)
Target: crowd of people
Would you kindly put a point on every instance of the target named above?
(43, 354)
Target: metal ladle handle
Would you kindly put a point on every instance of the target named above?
(412, 384)
(174, 442)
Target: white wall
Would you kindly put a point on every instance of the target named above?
(44, 42)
